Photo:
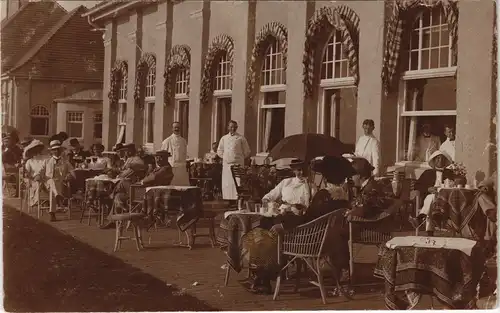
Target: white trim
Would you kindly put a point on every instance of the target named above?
(273, 88)
(224, 93)
(337, 82)
(150, 99)
(430, 73)
(430, 113)
(272, 106)
(262, 154)
(181, 96)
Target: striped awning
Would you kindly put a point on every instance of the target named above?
(403, 14)
(179, 59)
(341, 18)
(268, 33)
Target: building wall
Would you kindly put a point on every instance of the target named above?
(196, 24)
(30, 93)
(89, 110)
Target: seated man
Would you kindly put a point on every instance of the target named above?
(57, 169)
(12, 154)
(76, 155)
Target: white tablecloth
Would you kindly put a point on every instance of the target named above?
(462, 244)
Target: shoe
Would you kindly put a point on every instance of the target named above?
(109, 225)
(52, 217)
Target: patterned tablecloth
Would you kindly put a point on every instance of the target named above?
(456, 206)
(187, 200)
(80, 176)
(99, 188)
(449, 275)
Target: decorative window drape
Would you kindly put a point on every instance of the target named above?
(118, 72)
(404, 12)
(324, 21)
(220, 45)
(270, 32)
(146, 62)
(178, 60)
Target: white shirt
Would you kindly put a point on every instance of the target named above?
(35, 165)
(368, 147)
(100, 164)
(233, 149)
(292, 191)
(448, 146)
(177, 146)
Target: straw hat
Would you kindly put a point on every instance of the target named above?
(33, 144)
(55, 144)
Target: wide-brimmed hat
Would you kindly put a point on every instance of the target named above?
(73, 142)
(32, 145)
(362, 166)
(432, 159)
(26, 141)
(162, 153)
(335, 169)
(296, 163)
(55, 144)
(128, 146)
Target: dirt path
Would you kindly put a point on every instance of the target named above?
(46, 270)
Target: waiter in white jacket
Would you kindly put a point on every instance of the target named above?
(368, 146)
(233, 149)
(177, 146)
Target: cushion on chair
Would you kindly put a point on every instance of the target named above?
(126, 217)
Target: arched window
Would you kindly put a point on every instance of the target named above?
(40, 121)
(149, 106)
(182, 101)
(335, 63)
(122, 110)
(224, 74)
(430, 42)
(272, 98)
(429, 109)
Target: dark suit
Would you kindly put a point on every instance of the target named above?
(160, 176)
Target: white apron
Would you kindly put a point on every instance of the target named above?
(233, 149)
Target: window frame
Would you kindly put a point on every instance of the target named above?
(409, 75)
(223, 71)
(47, 117)
(94, 123)
(215, 114)
(148, 120)
(69, 121)
(334, 82)
(273, 50)
(150, 87)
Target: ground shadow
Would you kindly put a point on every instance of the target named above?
(46, 270)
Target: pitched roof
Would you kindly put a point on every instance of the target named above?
(22, 31)
(45, 38)
(88, 95)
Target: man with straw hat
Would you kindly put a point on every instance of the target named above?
(57, 170)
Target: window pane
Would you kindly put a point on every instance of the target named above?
(273, 127)
(414, 40)
(75, 130)
(414, 60)
(425, 60)
(445, 36)
(151, 121)
(275, 97)
(39, 126)
(443, 58)
(435, 37)
(338, 52)
(436, 16)
(438, 94)
(426, 38)
(337, 70)
(434, 58)
(426, 17)
(98, 130)
(344, 69)
(415, 145)
(184, 118)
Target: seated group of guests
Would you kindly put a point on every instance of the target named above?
(349, 189)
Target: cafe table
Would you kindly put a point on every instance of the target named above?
(185, 201)
(448, 269)
(98, 191)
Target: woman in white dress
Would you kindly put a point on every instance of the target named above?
(99, 162)
(34, 175)
(291, 194)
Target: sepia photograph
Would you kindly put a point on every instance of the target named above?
(257, 155)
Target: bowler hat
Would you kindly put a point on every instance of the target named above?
(26, 141)
(296, 163)
(362, 166)
(336, 169)
(163, 153)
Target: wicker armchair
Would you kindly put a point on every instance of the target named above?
(239, 176)
(306, 244)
